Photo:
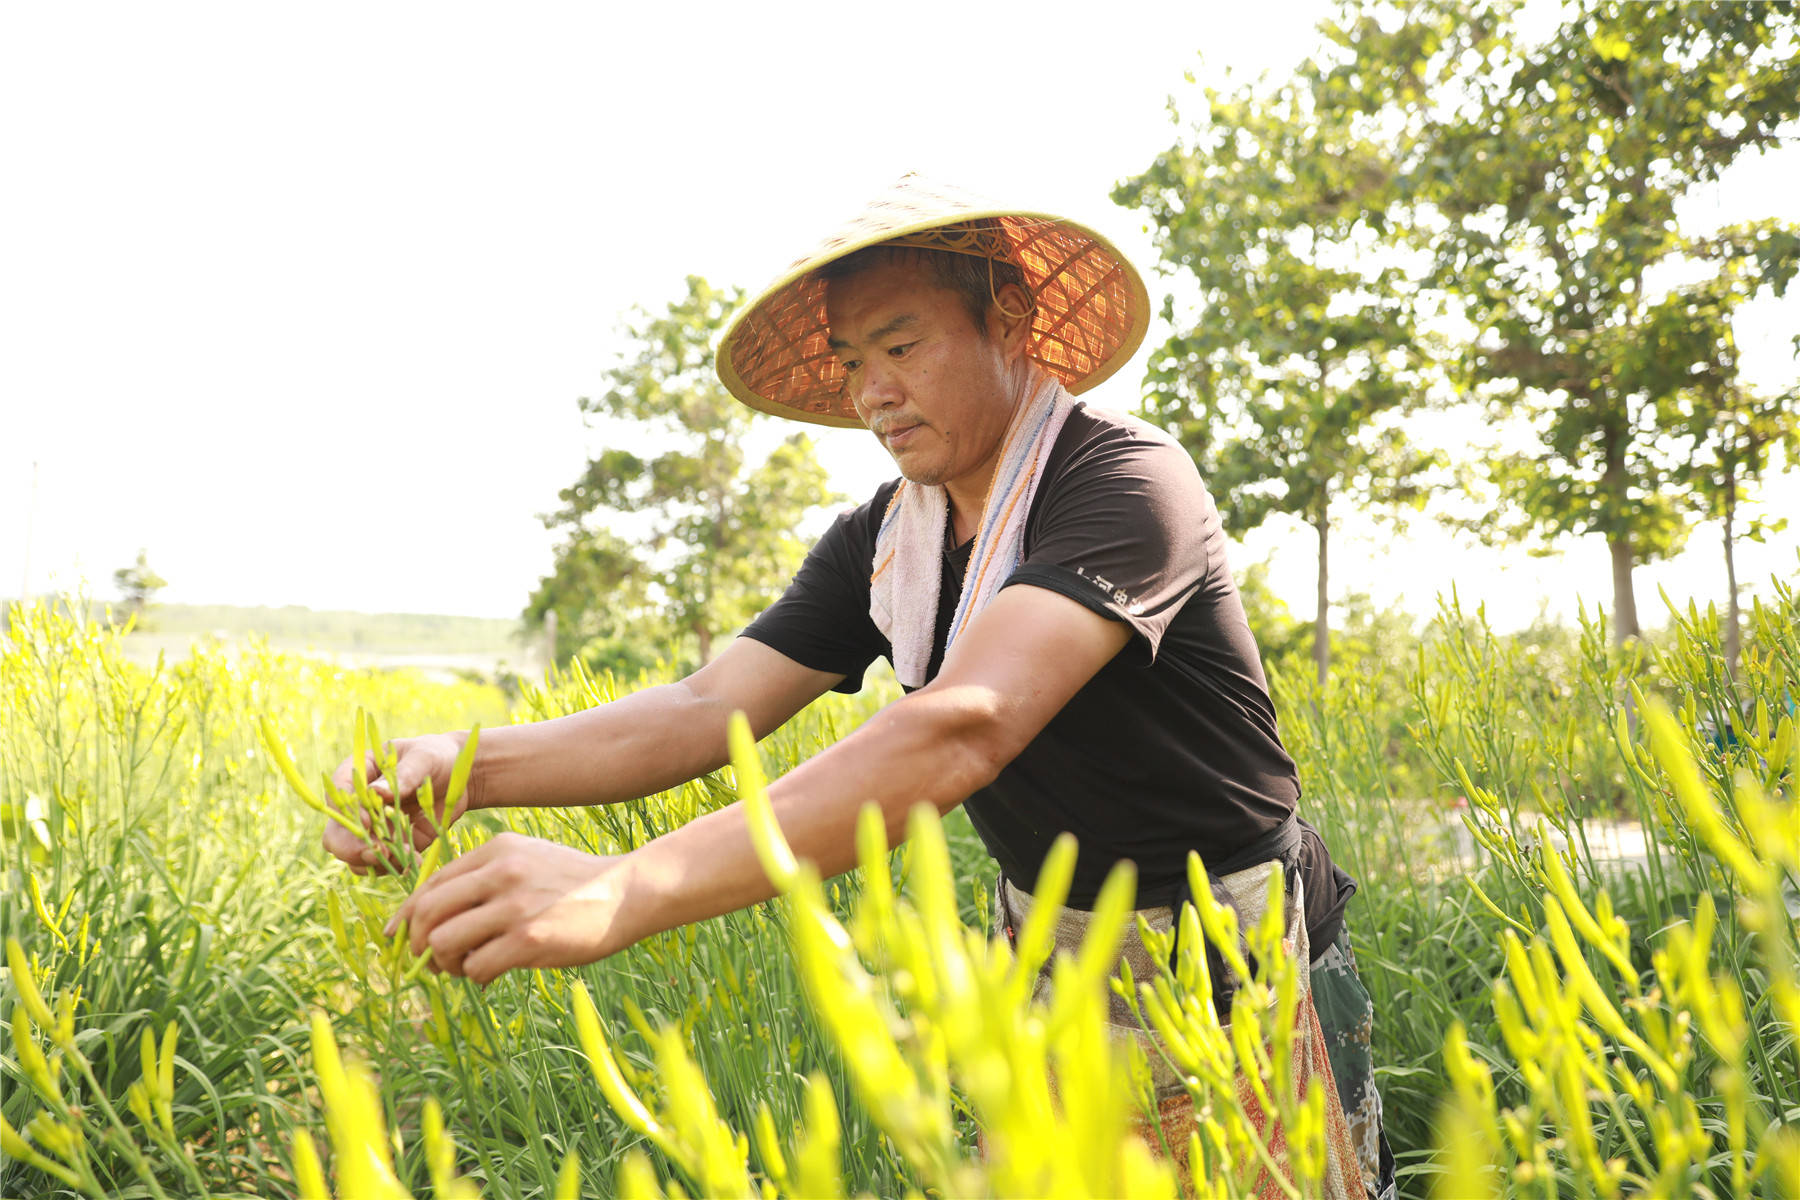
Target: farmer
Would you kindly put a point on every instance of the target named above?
(1049, 583)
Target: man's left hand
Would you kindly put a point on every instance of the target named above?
(517, 902)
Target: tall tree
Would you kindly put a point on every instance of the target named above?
(138, 585)
(1745, 430)
(1557, 168)
(1735, 432)
(598, 593)
(1286, 380)
(681, 522)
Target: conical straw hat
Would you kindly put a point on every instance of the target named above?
(1092, 308)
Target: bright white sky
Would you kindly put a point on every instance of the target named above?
(301, 298)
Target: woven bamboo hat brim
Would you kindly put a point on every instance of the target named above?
(1092, 309)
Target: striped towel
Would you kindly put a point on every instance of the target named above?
(908, 564)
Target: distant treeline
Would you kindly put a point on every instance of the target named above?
(296, 626)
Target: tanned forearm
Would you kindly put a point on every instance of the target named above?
(934, 747)
(639, 744)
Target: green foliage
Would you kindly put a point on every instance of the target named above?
(1281, 205)
(599, 593)
(1518, 748)
(1641, 1071)
(139, 806)
(1553, 172)
(1736, 434)
(1279, 635)
(1435, 192)
(138, 585)
(672, 532)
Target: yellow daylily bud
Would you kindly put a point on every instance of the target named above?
(772, 850)
(440, 1148)
(817, 1162)
(606, 1071)
(43, 914)
(568, 1178)
(359, 759)
(10, 1142)
(768, 1148)
(460, 771)
(434, 854)
(309, 1175)
(1702, 811)
(1563, 887)
(1594, 996)
(147, 1060)
(63, 1032)
(165, 1078)
(31, 1059)
(637, 1178)
(284, 762)
(61, 1138)
(14, 1146)
(137, 1098)
(1035, 939)
(24, 980)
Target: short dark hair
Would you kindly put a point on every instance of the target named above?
(976, 280)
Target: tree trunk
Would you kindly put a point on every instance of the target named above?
(1614, 490)
(1625, 617)
(1322, 622)
(705, 636)
(1732, 643)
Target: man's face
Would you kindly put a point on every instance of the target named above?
(929, 383)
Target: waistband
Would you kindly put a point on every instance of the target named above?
(1326, 899)
(1280, 843)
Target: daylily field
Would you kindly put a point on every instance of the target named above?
(1578, 866)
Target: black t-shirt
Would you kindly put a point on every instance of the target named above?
(1171, 746)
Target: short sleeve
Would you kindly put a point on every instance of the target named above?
(822, 620)
(1122, 525)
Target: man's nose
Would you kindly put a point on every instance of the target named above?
(880, 386)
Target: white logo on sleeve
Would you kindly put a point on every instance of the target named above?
(1118, 595)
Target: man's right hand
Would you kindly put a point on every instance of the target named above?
(417, 759)
(640, 744)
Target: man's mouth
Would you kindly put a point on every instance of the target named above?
(898, 434)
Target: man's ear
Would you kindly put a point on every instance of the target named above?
(1009, 318)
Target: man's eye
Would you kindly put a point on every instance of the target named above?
(900, 350)
(851, 364)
